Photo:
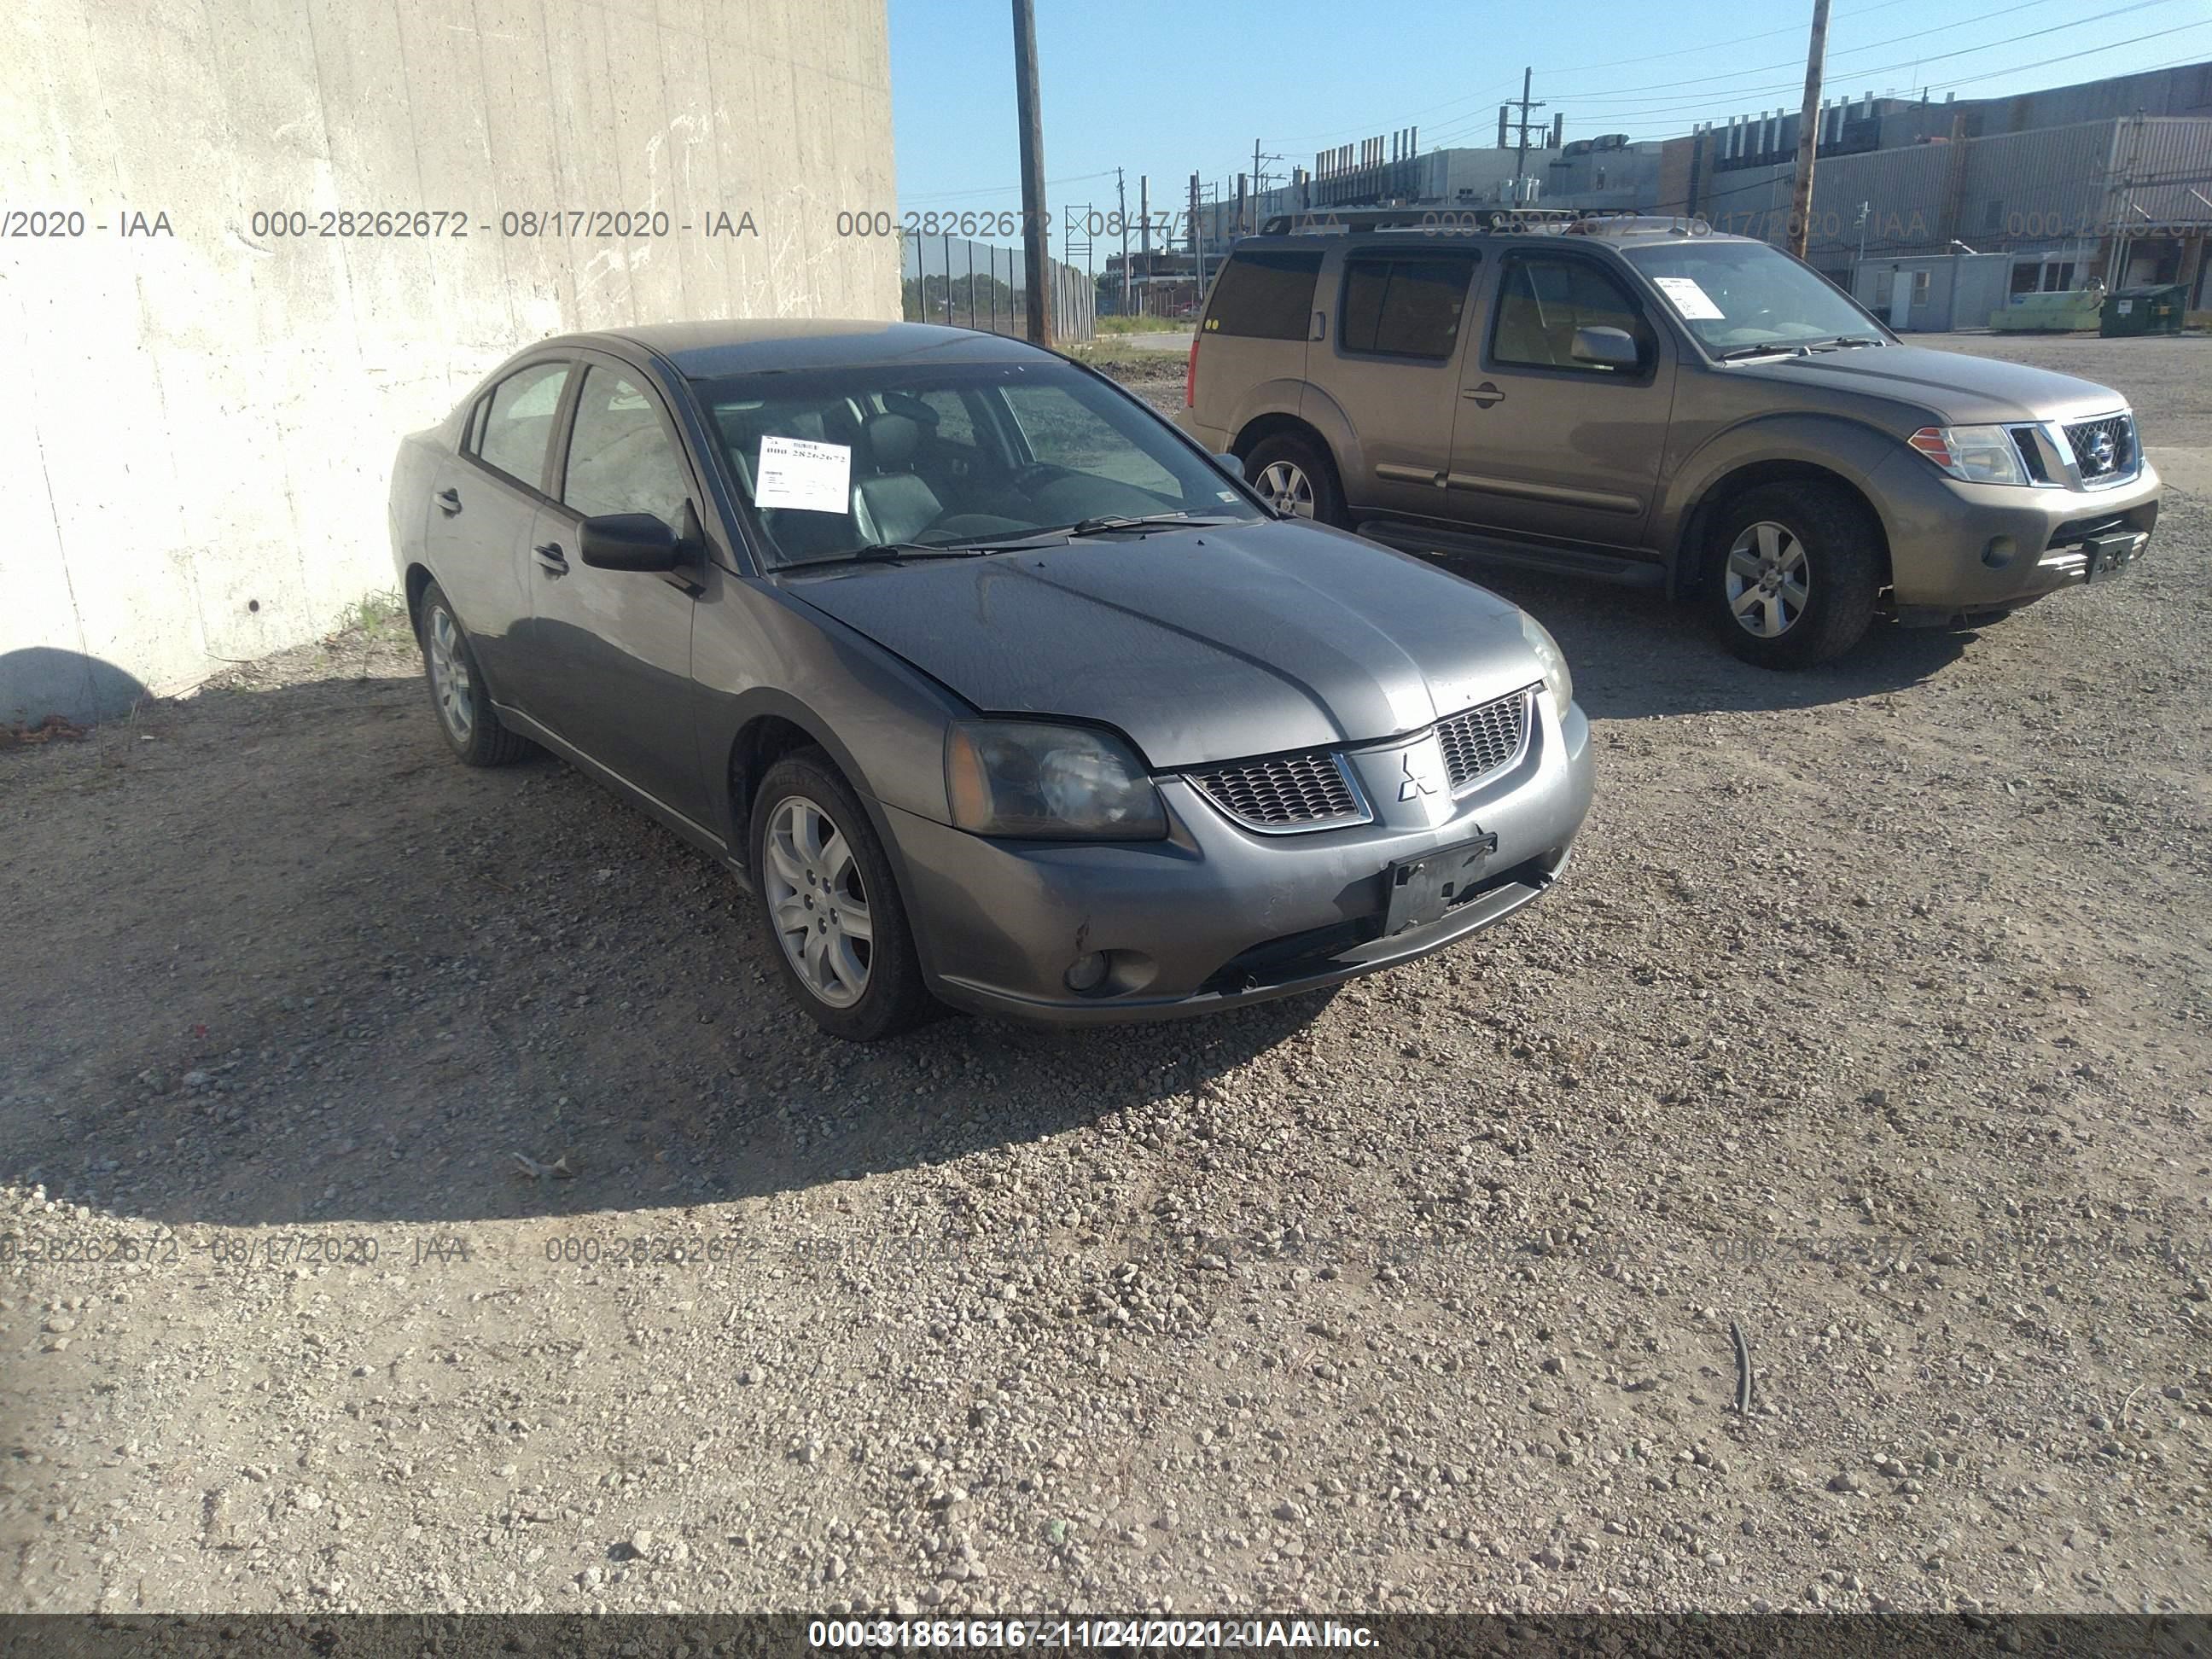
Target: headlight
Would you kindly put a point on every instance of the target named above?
(1977, 454)
(1066, 782)
(1558, 683)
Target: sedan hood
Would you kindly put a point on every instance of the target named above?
(1201, 644)
(1957, 388)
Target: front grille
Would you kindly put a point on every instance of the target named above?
(1284, 792)
(2104, 449)
(1480, 741)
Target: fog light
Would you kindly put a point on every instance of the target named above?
(1087, 973)
(1999, 553)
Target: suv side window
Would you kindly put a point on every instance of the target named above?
(519, 428)
(1267, 296)
(1545, 297)
(1403, 307)
(621, 459)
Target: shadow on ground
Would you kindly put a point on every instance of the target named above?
(284, 961)
(1637, 656)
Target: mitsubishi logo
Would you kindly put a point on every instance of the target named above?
(1415, 783)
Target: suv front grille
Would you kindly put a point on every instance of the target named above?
(2103, 450)
(1285, 793)
(1480, 741)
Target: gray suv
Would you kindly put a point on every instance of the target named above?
(1639, 400)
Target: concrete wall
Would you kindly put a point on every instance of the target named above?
(200, 425)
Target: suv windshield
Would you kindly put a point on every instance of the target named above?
(1736, 295)
(835, 463)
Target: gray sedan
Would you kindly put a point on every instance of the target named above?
(997, 691)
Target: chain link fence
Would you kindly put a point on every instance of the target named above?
(964, 284)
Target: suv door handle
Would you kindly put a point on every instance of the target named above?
(551, 559)
(1484, 395)
(449, 501)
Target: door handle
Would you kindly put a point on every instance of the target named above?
(1484, 395)
(449, 501)
(551, 559)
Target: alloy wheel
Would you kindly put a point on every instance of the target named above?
(1768, 579)
(1287, 488)
(818, 902)
(449, 676)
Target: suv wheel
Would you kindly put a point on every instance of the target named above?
(1796, 574)
(833, 918)
(1296, 474)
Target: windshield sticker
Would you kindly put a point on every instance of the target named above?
(1687, 297)
(1228, 494)
(811, 477)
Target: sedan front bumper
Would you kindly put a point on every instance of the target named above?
(1216, 913)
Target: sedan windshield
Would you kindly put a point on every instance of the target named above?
(893, 462)
(1738, 296)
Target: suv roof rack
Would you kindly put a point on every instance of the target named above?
(1432, 220)
(1496, 221)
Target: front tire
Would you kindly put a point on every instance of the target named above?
(1297, 477)
(829, 909)
(465, 717)
(1796, 570)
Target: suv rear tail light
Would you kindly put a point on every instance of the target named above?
(1190, 376)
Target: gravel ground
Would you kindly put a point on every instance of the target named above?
(1871, 1023)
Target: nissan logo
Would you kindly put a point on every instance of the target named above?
(2102, 453)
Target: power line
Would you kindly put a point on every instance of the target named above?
(1504, 94)
(1669, 109)
(1607, 105)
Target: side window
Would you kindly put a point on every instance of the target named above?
(519, 428)
(1265, 295)
(1403, 307)
(954, 423)
(621, 459)
(1545, 299)
(1061, 432)
(474, 435)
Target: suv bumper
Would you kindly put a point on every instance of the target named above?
(1216, 915)
(1961, 550)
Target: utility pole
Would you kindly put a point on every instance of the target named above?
(1121, 212)
(1036, 261)
(1521, 163)
(1808, 131)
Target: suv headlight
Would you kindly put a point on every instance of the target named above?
(1558, 681)
(1062, 782)
(1976, 454)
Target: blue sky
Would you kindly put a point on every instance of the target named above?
(1163, 89)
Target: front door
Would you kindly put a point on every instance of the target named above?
(609, 651)
(1393, 368)
(1544, 446)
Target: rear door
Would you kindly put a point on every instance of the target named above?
(1544, 445)
(1252, 343)
(482, 502)
(1392, 370)
(609, 657)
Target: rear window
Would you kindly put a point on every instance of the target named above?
(1404, 307)
(1267, 296)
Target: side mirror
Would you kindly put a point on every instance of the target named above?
(1606, 348)
(1233, 466)
(630, 541)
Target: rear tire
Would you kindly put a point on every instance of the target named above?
(458, 695)
(1296, 473)
(1795, 570)
(829, 910)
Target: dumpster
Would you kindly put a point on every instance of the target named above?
(2061, 312)
(2154, 309)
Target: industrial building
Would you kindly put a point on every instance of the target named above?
(1936, 214)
